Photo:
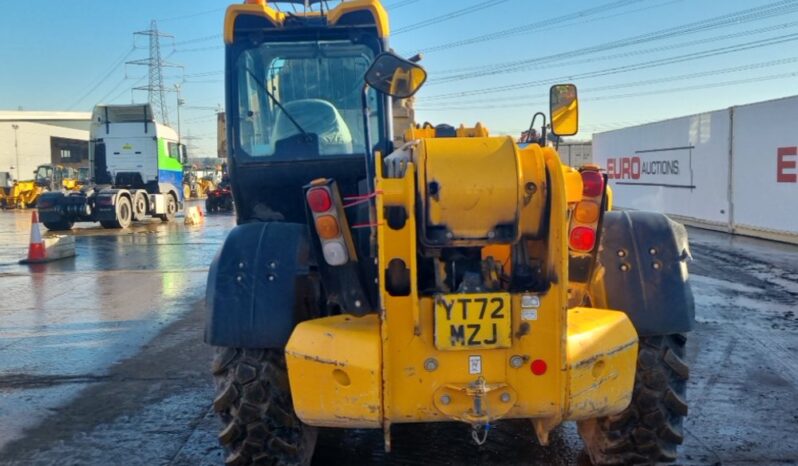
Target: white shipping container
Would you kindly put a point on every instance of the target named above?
(678, 167)
(765, 168)
(734, 169)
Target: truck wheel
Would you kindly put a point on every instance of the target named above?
(124, 212)
(171, 209)
(139, 206)
(59, 226)
(649, 430)
(253, 400)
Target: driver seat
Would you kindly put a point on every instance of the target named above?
(318, 117)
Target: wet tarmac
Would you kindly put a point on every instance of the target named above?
(102, 360)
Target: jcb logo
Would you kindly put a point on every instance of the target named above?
(786, 165)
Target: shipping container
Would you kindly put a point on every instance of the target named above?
(734, 170)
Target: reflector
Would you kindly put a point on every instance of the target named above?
(586, 212)
(582, 239)
(334, 252)
(327, 227)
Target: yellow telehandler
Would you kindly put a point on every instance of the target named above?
(455, 277)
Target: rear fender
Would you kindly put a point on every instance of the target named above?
(258, 286)
(645, 256)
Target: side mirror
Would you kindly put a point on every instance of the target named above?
(395, 76)
(564, 109)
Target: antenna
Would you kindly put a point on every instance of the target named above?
(156, 91)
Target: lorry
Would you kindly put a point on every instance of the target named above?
(453, 277)
(136, 171)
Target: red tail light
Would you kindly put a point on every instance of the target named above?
(593, 183)
(582, 239)
(319, 200)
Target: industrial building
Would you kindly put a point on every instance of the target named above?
(29, 139)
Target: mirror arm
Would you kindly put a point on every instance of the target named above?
(542, 140)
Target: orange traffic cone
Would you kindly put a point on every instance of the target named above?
(36, 250)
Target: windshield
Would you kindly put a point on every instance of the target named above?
(44, 173)
(310, 88)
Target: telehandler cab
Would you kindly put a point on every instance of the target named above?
(458, 277)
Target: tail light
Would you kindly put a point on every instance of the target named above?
(327, 221)
(592, 183)
(586, 216)
(319, 199)
(586, 212)
(582, 239)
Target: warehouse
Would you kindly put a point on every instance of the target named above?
(29, 139)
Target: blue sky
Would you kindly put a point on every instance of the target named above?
(60, 55)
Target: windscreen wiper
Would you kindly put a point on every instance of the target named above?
(277, 102)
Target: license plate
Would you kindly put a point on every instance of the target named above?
(468, 321)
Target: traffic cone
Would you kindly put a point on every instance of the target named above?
(36, 249)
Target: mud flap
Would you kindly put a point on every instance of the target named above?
(645, 255)
(256, 286)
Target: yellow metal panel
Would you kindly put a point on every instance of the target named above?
(573, 184)
(533, 189)
(478, 131)
(477, 185)
(373, 6)
(334, 365)
(233, 11)
(602, 355)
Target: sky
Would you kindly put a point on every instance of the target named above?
(634, 61)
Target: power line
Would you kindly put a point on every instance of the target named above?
(625, 85)
(531, 26)
(104, 77)
(199, 39)
(647, 51)
(625, 68)
(694, 87)
(446, 17)
(128, 89)
(459, 70)
(753, 14)
(191, 15)
(400, 4)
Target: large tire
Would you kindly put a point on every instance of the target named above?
(124, 214)
(140, 207)
(254, 403)
(650, 429)
(171, 209)
(63, 225)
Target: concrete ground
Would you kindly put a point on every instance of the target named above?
(102, 360)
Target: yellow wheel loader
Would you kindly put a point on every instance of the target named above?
(456, 277)
(47, 177)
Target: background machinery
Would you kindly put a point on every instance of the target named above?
(136, 167)
(455, 277)
(46, 178)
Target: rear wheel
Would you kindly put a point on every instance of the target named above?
(139, 206)
(650, 429)
(253, 400)
(124, 214)
(171, 209)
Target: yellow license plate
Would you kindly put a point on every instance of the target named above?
(469, 321)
